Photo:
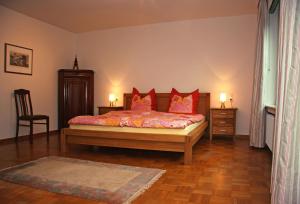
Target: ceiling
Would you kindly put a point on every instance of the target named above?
(87, 15)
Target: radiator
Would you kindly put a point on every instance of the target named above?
(270, 120)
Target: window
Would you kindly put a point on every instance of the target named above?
(270, 58)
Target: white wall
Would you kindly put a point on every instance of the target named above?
(214, 55)
(53, 48)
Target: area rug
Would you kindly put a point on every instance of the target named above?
(105, 182)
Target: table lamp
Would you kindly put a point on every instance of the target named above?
(112, 99)
(222, 99)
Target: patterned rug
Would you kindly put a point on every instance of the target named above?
(106, 182)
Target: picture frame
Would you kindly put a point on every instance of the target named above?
(17, 59)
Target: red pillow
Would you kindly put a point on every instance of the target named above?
(184, 104)
(146, 103)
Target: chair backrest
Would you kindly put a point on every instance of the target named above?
(23, 102)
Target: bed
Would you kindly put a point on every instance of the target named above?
(175, 140)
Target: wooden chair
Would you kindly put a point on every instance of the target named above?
(25, 113)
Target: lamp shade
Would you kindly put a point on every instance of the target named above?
(112, 97)
(222, 97)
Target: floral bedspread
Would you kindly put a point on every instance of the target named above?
(139, 119)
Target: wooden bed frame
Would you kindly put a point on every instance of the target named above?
(174, 143)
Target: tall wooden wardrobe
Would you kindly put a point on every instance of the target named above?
(75, 94)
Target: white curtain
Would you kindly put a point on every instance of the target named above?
(285, 184)
(257, 137)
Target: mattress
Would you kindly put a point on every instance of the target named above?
(138, 119)
(167, 131)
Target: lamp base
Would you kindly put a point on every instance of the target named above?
(222, 105)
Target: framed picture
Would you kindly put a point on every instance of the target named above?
(17, 59)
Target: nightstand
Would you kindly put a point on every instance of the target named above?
(222, 121)
(106, 109)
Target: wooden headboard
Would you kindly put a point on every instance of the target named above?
(163, 102)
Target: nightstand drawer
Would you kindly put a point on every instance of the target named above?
(224, 122)
(223, 114)
(222, 130)
(106, 109)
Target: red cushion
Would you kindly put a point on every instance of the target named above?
(179, 103)
(143, 103)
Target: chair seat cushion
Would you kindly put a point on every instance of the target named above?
(34, 117)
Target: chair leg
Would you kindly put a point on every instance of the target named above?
(17, 130)
(31, 132)
(47, 124)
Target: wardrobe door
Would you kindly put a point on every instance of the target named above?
(75, 98)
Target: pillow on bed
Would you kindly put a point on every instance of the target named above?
(183, 104)
(146, 103)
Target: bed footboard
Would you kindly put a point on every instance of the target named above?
(173, 143)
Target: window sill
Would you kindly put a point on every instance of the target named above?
(270, 109)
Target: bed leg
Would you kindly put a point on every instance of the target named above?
(188, 151)
(62, 141)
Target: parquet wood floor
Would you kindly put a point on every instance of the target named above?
(223, 171)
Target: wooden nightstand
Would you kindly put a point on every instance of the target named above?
(106, 109)
(222, 121)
